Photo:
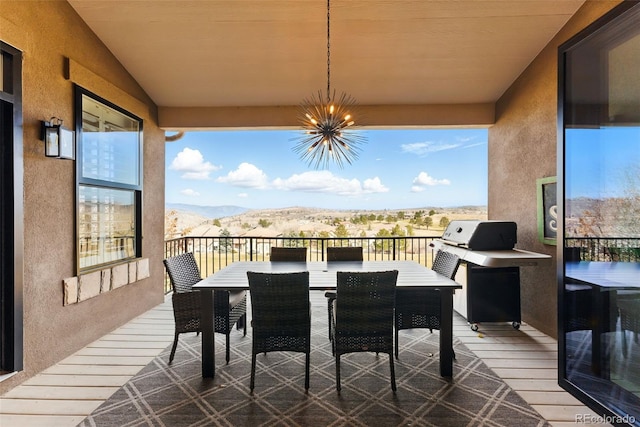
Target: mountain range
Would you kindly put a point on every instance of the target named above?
(212, 212)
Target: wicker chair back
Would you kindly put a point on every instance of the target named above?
(288, 254)
(344, 253)
(183, 272)
(281, 315)
(420, 308)
(363, 315)
(446, 263)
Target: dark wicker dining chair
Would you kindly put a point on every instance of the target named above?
(340, 253)
(280, 315)
(344, 253)
(420, 308)
(230, 307)
(287, 254)
(363, 316)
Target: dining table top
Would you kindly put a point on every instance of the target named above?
(322, 274)
(605, 274)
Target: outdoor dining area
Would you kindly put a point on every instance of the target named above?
(361, 321)
(316, 343)
(336, 342)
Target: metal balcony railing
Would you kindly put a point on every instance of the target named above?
(625, 249)
(215, 253)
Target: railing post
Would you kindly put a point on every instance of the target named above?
(394, 248)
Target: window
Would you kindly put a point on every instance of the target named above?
(109, 182)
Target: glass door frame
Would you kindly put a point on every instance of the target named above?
(605, 22)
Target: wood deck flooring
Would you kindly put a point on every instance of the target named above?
(66, 393)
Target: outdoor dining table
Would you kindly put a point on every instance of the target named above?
(322, 276)
(606, 280)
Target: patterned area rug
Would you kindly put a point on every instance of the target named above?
(176, 395)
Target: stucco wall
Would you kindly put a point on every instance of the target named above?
(522, 148)
(47, 32)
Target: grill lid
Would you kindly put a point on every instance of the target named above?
(481, 235)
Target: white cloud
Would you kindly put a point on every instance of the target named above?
(243, 195)
(465, 139)
(189, 192)
(192, 164)
(424, 180)
(424, 148)
(327, 182)
(246, 175)
(374, 185)
(475, 144)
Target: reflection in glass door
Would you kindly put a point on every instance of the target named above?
(600, 298)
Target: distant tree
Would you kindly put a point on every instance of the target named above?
(400, 215)
(341, 231)
(323, 234)
(383, 245)
(264, 223)
(400, 243)
(432, 212)
(380, 217)
(226, 244)
(589, 223)
(410, 231)
(390, 218)
(216, 222)
(245, 225)
(291, 243)
(397, 231)
(371, 217)
(444, 221)
(427, 222)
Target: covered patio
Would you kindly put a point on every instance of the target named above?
(74, 333)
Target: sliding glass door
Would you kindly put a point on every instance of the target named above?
(599, 176)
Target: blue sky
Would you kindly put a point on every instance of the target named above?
(396, 169)
(602, 162)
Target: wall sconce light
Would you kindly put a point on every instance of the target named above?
(58, 141)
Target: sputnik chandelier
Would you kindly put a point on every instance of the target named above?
(327, 124)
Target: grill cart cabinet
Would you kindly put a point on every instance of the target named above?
(490, 273)
(493, 295)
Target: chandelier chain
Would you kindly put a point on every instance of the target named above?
(327, 123)
(328, 51)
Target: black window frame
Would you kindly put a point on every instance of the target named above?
(137, 190)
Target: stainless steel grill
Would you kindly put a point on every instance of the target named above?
(481, 235)
(492, 289)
